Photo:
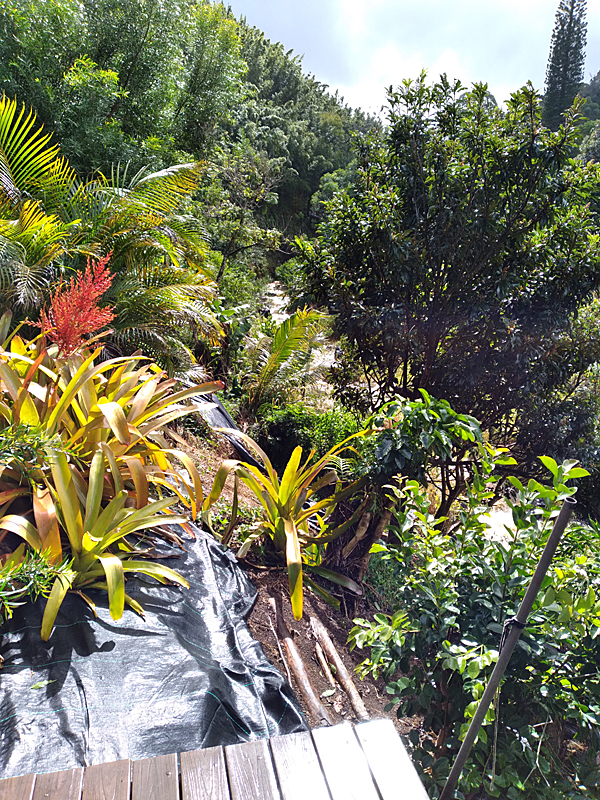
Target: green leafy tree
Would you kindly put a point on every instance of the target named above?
(460, 256)
(87, 134)
(451, 594)
(566, 61)
(239, 187)
(213, 69)
(39, 42)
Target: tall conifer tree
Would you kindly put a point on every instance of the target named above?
(565, 63)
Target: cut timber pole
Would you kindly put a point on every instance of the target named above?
(341, 672)
(317, 709)
(324, 665)
(512, 631)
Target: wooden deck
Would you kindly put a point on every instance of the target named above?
(365, 762)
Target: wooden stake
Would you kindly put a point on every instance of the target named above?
(324, 665)
(317, 709)
(342, 673)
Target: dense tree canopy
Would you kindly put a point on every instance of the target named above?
(591, 92)
(290, 115)
(119, 79)
(460, 255)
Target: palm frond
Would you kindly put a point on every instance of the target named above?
(285, 359)
(12, 259)
(166, 350)
(60, 184)
(34, 240)
(26, 155)
(164, 191)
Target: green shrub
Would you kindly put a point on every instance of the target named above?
(453, 593)
(282, 430)
(243, 283)
(25, 575)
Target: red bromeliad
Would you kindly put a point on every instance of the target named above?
(74, 311)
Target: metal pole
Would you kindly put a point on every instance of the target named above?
(517, 624)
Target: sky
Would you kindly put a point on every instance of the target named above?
(360, 47)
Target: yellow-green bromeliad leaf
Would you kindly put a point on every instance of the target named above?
(294, 566)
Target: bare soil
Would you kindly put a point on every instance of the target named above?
(262, 625)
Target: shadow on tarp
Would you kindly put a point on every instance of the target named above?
(188, 676)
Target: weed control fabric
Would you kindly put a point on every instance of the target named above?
(187, 676)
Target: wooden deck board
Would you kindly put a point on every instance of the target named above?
(204, 775)
(390, 764)
(251, 771)
(63, 785)
(344, 763)
(155, 778)
(17, 788)
(298, 768)
(110, 781)
(365, 762)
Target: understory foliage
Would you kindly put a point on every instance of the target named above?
(452, 594)
(281, 430)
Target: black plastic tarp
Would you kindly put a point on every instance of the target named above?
(217, 416)
(188, 676)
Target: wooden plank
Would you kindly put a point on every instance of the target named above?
(64, 785)
(110, 781)
(155, 779)
(344, 763)
(17, 788)
(298, 768)
(204, 775)
(390, 764)
(251, 772)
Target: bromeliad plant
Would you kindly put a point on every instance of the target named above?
(295, 515)
(76, 405)
(82, 451)
(93, 532)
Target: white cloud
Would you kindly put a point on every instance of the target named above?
(388, 66)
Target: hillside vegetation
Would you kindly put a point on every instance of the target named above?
(161, 164)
